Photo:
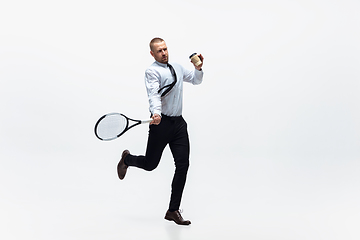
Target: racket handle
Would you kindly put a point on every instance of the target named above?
(147, 121)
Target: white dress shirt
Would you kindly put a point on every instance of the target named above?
(159, 75)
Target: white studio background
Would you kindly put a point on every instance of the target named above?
(274, 127)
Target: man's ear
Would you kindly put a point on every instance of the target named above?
(152, 54)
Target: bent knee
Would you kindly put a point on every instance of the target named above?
(150, 167)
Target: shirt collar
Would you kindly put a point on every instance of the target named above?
(161, 64)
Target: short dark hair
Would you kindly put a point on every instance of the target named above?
(155, 40)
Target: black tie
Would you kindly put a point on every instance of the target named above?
(169, 86)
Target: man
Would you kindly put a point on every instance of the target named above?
(164, 85)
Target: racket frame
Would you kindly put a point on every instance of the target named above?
(127, 127)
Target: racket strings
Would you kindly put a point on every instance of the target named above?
(111, 126)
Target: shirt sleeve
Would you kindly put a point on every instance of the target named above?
(195, 77)
(152, 83)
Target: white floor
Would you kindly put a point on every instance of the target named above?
(69, 198)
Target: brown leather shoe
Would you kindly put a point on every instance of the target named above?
(121, 167)
(176, 217)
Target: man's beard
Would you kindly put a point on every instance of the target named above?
(165, 59)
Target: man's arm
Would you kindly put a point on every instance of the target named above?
(195, 77)
(152, 86)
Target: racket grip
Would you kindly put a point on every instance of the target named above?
(147, 121)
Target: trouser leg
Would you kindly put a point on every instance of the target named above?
(173, 131)
(180, 149)
(157, 141)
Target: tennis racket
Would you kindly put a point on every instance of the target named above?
(113, 125)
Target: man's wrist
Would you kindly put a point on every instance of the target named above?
(158, 114)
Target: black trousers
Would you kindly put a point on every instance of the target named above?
(172, 131)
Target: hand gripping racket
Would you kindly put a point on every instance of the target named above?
(113, 125)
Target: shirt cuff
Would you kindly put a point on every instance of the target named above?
(157, 112)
